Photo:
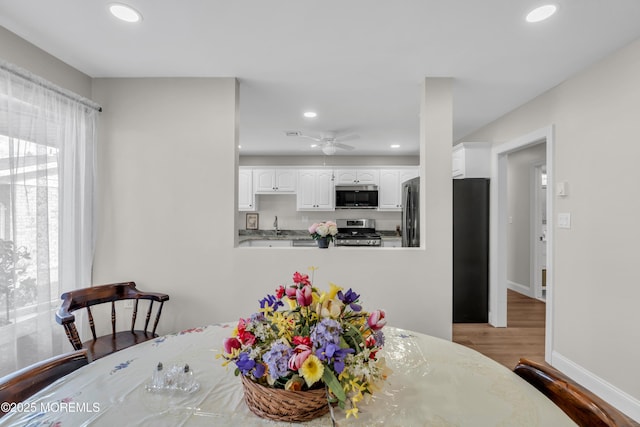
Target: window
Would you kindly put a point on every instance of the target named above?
(47, 145)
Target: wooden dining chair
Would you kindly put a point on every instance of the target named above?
(86, 298)
(20, 385)
(583, 407)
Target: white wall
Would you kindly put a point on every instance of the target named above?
(22, 53)
(167, 210)
(596, 282)
(520, 209)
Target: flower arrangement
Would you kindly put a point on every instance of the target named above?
(304, 339)
(326, 229)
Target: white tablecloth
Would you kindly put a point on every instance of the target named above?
(434, 383)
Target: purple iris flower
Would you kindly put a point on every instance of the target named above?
(246, 365)
(332, 351)
(271, 301)
(350, 298)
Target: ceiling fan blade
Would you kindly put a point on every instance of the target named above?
(310, 137)
(301, 135)
(343, 146)
(349, 137)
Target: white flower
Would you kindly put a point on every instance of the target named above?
(332, 228)
(322, 230)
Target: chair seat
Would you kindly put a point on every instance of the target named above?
(108, 344)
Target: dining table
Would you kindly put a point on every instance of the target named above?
(434, 382)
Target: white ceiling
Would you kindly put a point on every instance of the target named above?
(358, 63)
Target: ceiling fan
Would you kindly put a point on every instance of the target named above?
(328, 142)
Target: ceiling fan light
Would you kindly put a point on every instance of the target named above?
(329, 150)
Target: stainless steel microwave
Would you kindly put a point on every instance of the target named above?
(356, 196)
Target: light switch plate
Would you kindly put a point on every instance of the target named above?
(564, 220)
(561, 189)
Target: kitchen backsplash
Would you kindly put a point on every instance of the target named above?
(284, 207)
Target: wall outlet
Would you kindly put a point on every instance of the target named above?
(128, 303)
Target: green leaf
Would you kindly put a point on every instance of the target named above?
(334, 385)
(353, 338)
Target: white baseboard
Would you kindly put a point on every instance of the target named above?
(625, 403)
(522, 289)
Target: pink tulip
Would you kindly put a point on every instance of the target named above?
(304, 296)
(377, 320)
(230, 344)
(291, 291)
(300, 354)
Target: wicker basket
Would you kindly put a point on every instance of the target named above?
(284, 405)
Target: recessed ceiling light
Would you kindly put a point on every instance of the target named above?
(395, 145)
(310, 114)
(124, 12)
(541, 13)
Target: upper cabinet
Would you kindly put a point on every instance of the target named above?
(246, 196)
(471, 160)
(357, 176)
(274, 181)
(390, 190)
(315, 190)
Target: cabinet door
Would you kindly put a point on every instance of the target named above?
(315, 190)
(285, 180)
(324, 190)
(457, 162)
(306, 190)
(367, 176)
(389, 191)
(346, 177)
(264, 180)
(246, 198)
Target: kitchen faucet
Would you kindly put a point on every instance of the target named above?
(275, 225)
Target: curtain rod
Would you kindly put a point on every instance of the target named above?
(21, 72)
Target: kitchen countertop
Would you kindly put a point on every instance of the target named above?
(245, 235)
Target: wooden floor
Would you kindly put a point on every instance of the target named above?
(523, 336)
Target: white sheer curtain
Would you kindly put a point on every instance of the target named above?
(47, 174)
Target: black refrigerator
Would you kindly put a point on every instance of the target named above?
(471, 250)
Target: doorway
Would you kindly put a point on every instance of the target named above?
(499, 223)
(539, 231)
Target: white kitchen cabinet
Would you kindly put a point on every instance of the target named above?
(246, 196)
(274, 181)
(471, 160)
(391, 242)
(357, 176)
(315, 190)
(390, 189)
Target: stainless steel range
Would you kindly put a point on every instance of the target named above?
(357, 232)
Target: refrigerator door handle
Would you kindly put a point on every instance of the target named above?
(406, 218)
